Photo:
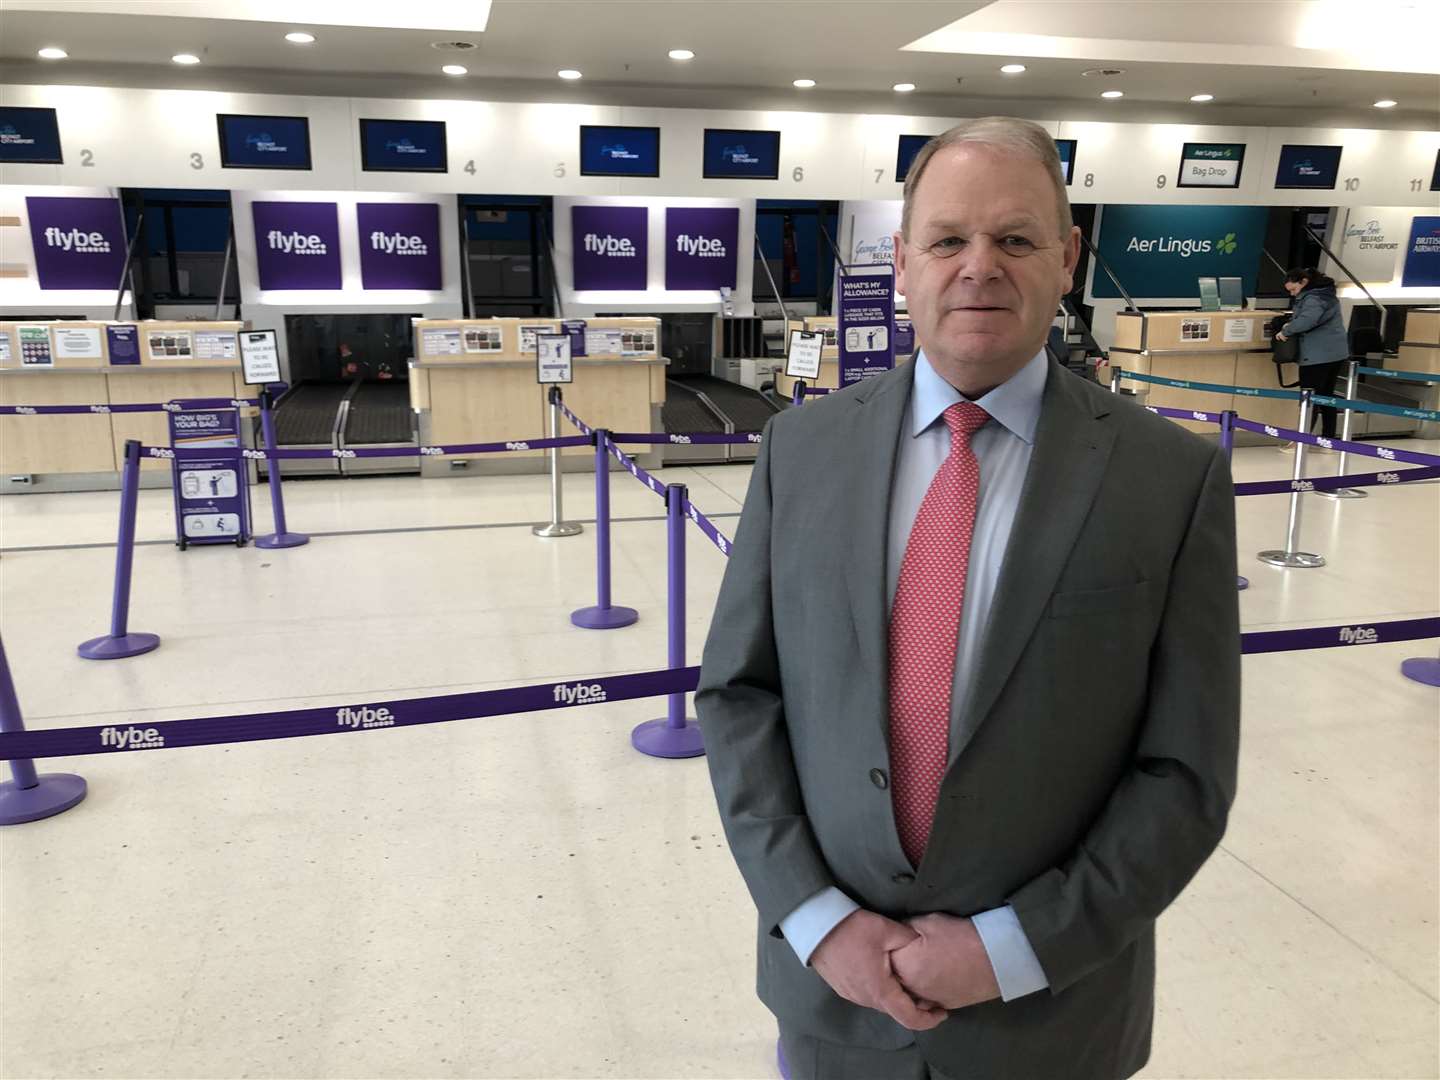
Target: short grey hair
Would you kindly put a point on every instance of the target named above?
(1009, 133)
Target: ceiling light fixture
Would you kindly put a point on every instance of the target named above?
(455, 69)
(681, 54)
(804, 84)
(903, 87)
(1202, 97)
(1013, 69)
(1386, 103)
(52, 52)
(299, 37)
(1112, 94)
(569, 73)
(185, 58)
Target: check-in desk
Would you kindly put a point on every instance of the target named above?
(71, 363)
(1419, 351)
(829, 355)
(474, 380)
(1228, 348)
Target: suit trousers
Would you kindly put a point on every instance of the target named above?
(809, 1058)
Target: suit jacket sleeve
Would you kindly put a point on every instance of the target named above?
(1168, 813)
(742, 714)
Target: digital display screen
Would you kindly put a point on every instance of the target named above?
(264, 142)
(1215, 165)
(741, 155)
(1066, 149)
(402, 145)
(619, 151)
(1308, 166)
(29, 136)
(905, 154)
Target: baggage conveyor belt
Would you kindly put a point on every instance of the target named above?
(706, 404)
(345, 415)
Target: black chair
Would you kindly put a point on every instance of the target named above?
(1366, 331)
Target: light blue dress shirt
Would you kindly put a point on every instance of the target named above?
(1002, 447)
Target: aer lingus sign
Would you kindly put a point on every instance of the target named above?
(1160, 251)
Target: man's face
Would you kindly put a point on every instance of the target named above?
(985, 266)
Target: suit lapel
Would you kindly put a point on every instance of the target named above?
(1067, 465)
(880, 415)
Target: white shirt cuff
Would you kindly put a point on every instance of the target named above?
(806, 926)
(1017, 968)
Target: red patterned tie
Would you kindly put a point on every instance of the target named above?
(924, 626)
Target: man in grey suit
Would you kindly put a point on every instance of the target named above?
(971, 691)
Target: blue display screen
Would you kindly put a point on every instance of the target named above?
(264, 142)
(741, 155)
(31, 136)
(909, 146)
(1308, 166)
(402, 145)
(1066, 149)
(619, 151)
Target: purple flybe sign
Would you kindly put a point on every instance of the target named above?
(399, 245)
(79, 242)
(297, 245)
(611, 246)
(701, 247)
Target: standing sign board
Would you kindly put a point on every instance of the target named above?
(212, 495)
(803, 359)
(552, 359)
(259, 357)
(866, 328)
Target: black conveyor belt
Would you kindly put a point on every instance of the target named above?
(379, 413)
(683, 411)
(747, 409)
(306, 416)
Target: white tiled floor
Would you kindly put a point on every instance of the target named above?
(528, 897)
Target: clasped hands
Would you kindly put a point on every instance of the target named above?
(916, 972)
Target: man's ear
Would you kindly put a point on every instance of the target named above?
(898, 243)
(1072, 258)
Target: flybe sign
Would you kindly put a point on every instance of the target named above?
(399, 245)
(297, 245)
(1159, 251)
(79, 242)
(701, 247)
(611, 246)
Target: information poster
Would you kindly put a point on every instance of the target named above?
(528, 334)
(552, 359)
(866, 322)
(1239, 331)
(4, 347)
(904, 336)
(602, 342)
(1195, 330)
(123, 342)
(637, 341)
(215, 345)
(172, 344)
(576, 329)
(77, 342)
(211, 494)
(802, 361)
(482, 339)
(259, 357)
(440, 343)
(35, 346)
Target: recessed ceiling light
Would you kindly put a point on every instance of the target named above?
(185, 58)
(1013, 69)
(455, 69)
(1386, 103)
(681, 54)
(1202, 97)
(903, 87)
(52, 52)
(804, 84)
(1112, 93)
(568, 73)
(299, 37)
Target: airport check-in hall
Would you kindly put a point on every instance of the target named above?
(621, 539)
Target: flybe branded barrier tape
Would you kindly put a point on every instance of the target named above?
(374, 715)
(104, 410)
(697, 438)
(634, 469)
(575, 419)
(1287, 395)
(328, 720)
(1386, 453)
(706, 526)
(195, 453)
(1184, 414)
(1335, 483)
(1413, 376)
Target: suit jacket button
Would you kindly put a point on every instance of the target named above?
(903, 879)
(879, 779)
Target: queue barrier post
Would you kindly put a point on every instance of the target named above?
(1116, 374)
(604, 615)
(797, 393)
(29, 796)
(1422, 669)
(1352, 380)
(674, 735)
(121, 641)
(557, 525)
(282, 537)
(1292, 556)
(1227, 446)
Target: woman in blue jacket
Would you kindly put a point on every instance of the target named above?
(1324, 347)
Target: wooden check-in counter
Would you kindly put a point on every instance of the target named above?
(103, 363)
(473, 380)
(1224, 347)
(1420, 351)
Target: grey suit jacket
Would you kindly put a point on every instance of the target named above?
(1102, 727)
